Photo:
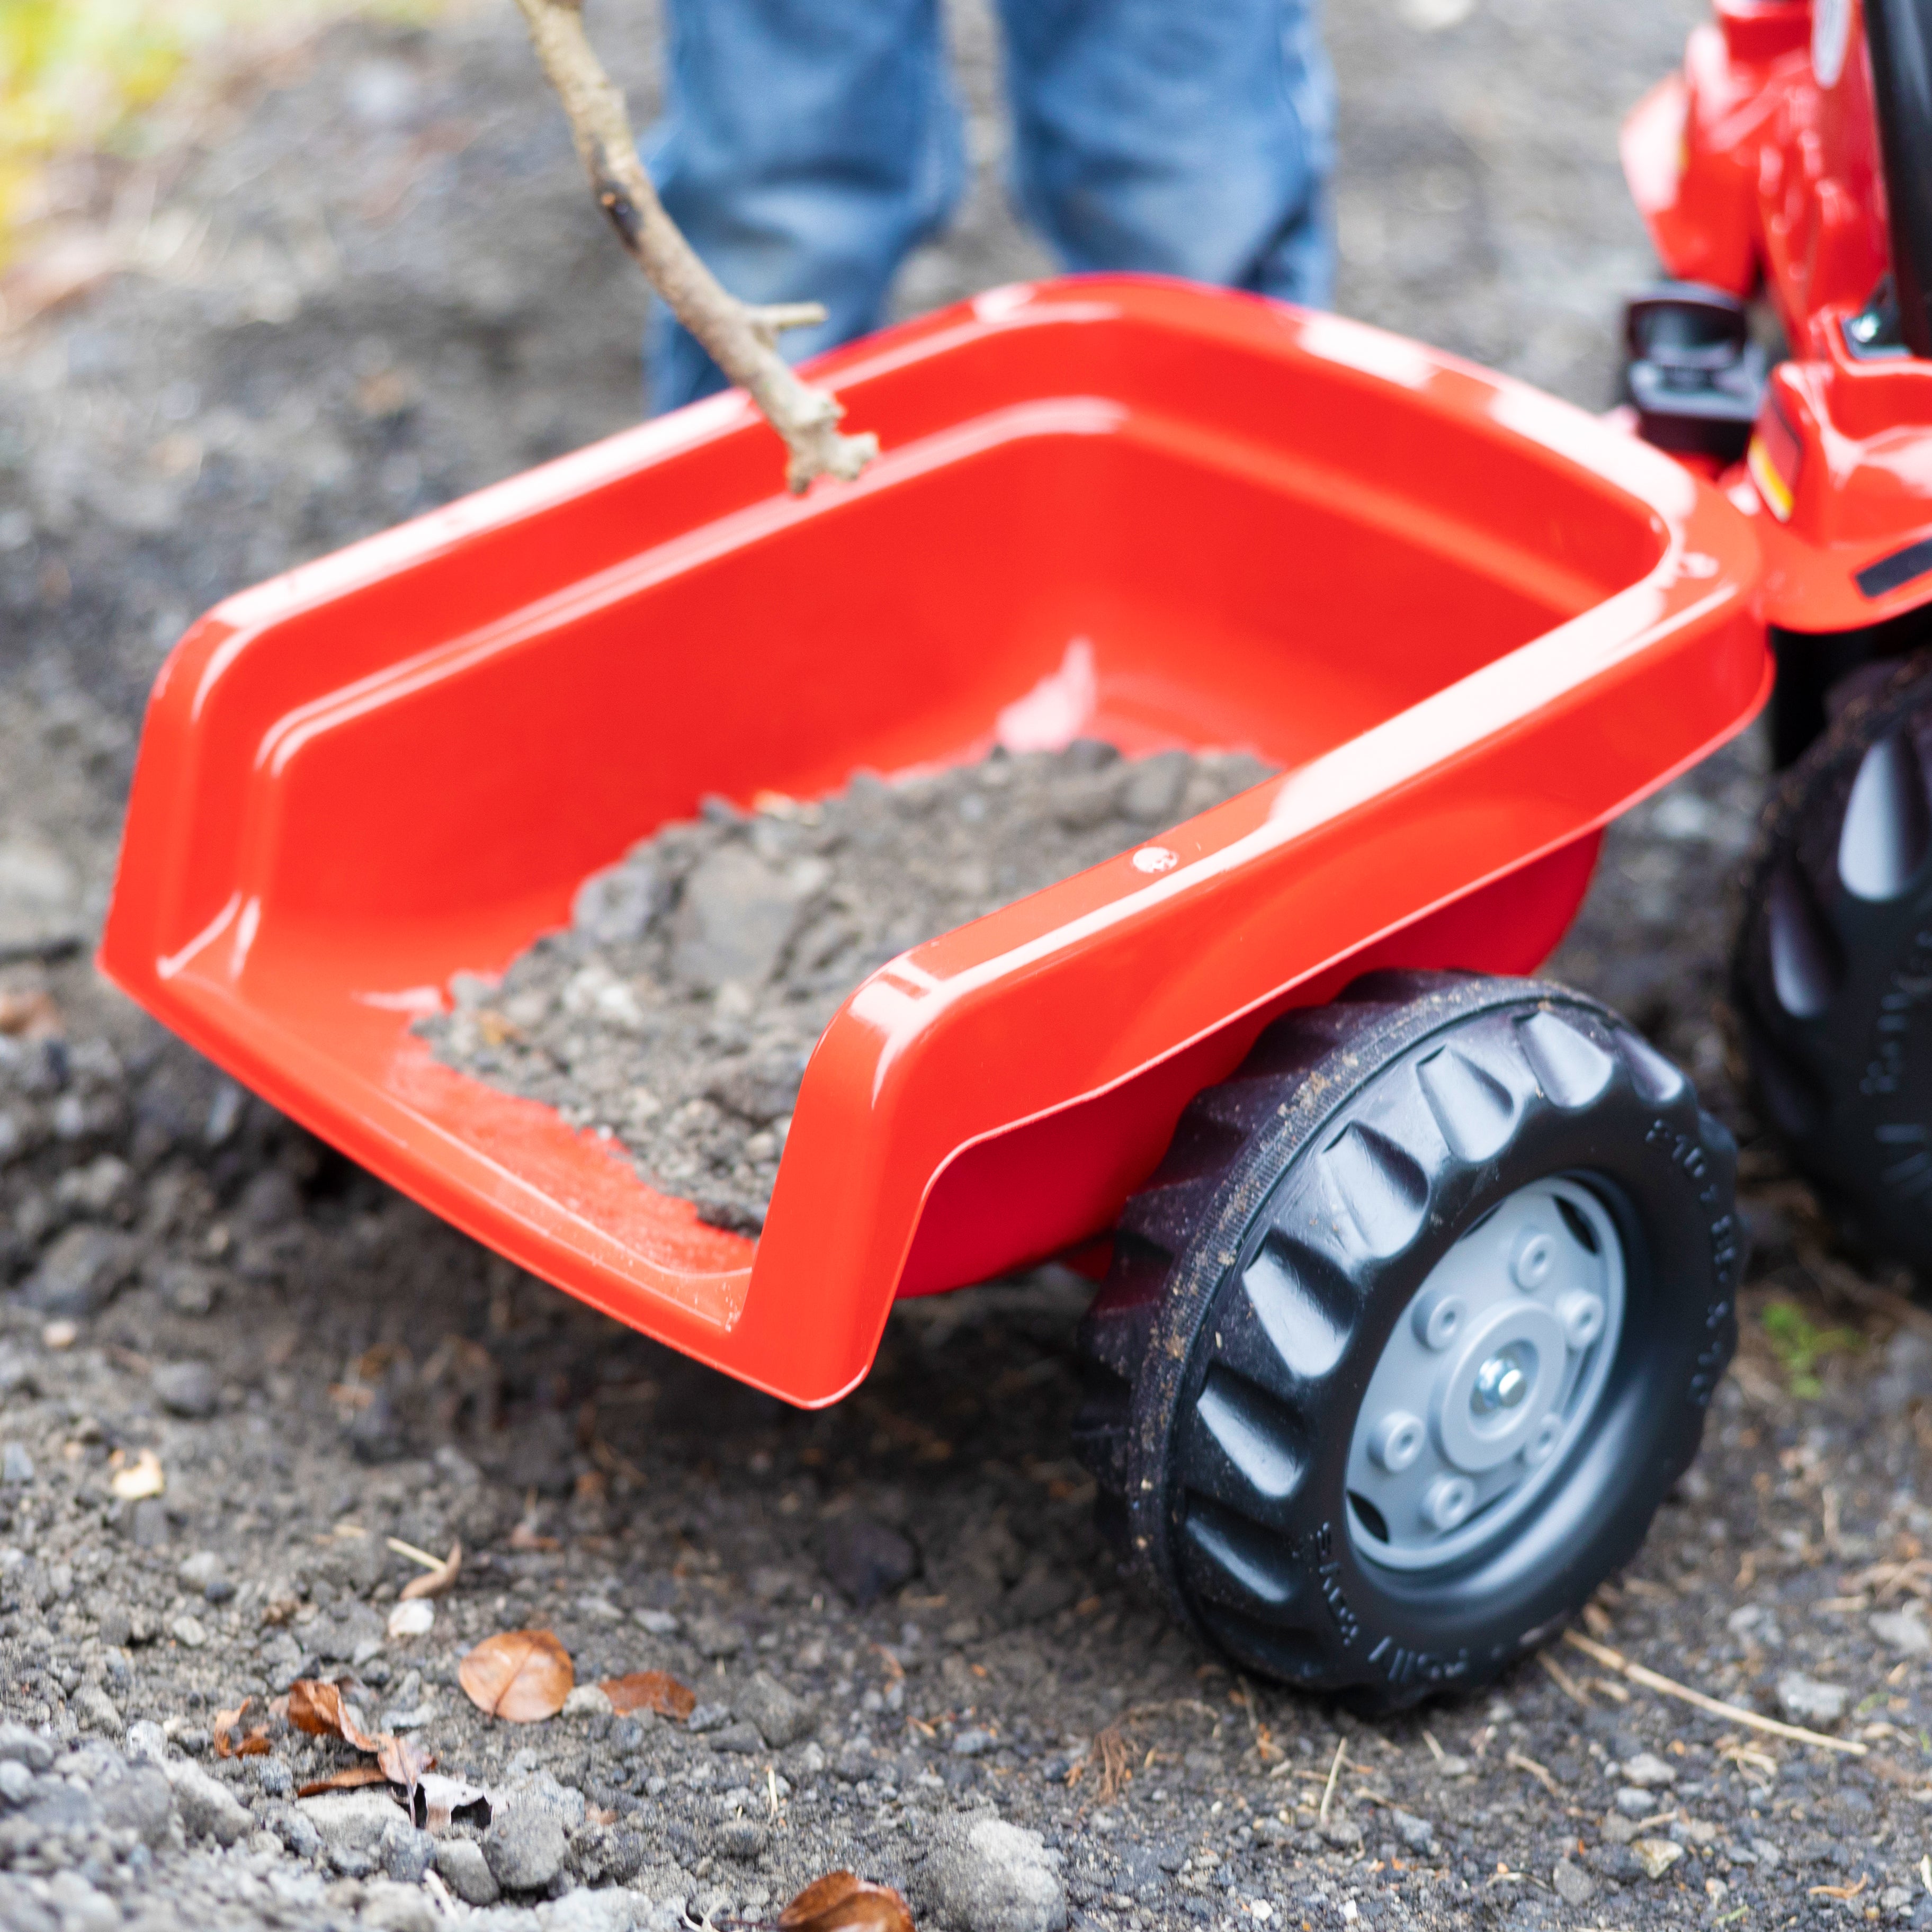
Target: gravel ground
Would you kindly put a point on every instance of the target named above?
(380, 285)
(677, 1012)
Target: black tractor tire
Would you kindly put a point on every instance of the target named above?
(1355, 1147)
(1832, 971)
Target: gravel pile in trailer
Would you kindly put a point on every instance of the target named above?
(677, 1011)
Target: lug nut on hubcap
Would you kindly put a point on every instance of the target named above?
(1449, 1502)
(1501, 1382)
(1397, 1441)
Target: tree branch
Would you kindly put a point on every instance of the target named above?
(741, 338)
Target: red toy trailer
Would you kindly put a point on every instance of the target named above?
(1421, 1277)
(1793, 160)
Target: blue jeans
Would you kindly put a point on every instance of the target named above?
(809, 146)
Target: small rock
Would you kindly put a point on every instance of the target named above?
(1618, 1829)
(405, 1853)
(205, 1571)
(1803, 1700)
(1341, 1832)
(713, 1637)
(96, 1709)
(734, 920)
(187, 1288)
(146, 1743)
(1633, 1803)
(1648, 1772)
(17, 1466)
(20, 1911)
(82, 1908)
(616, 907)
(741, 1838)
(461, 1864)
(140, 1800)
(587, 1700)
(781, 1718)
(972, 1743)
(525, 1846)
(389, 1906)
(864, 1559)
(1656, 1855)
(612, 1909)
(741, 1736)
(147, 1526)
(190, 1389)
(659, 1623)
(17, 1782)
(348, 1632)
(188, 1631)
(708, 1717)
(417, 1618)
(992, 1877)
(207, 1808)
(25, 1746)
(351, 1820)
(1574, 1885)
(1755, 1624)
(1418, 1834)
(1903, 1630)
(80, 1273)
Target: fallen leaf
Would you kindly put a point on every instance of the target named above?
(842, 1901)
(656, 1690)
(29, 1016)
(320, 1709)
(140, 1478)
(403, 1761)
(439, 1801)
(520, 1675)
(348, 1779)
(435, 1582)
(234, 1737)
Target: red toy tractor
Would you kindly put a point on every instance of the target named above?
(1794, 157)
(1418, 1274)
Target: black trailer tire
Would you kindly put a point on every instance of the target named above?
(1832, 971)
(1260, 1276)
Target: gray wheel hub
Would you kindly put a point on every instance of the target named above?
(1493, 1373)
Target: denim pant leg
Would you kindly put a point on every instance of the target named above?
(1183, 137)
(808, 146)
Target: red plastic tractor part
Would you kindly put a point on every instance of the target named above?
(1790, 165)
(1470, 623)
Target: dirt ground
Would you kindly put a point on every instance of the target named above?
(378, 284)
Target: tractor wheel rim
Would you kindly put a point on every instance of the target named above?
(1492, 1375)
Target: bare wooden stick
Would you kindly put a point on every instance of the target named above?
(741, 336)
(1736, 1714)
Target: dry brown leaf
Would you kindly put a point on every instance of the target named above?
(842, 1901)
(235, 1737)
(403, 1761)
(321, 1709)
(522, 1676)
(435, 1583)
(29, 1016)
(347, 1779)
(656, 1690)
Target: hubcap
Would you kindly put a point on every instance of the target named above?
(1496, 1371)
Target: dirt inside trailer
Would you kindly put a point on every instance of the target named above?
(677, 1011)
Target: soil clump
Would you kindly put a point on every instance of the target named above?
(677, 1011)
